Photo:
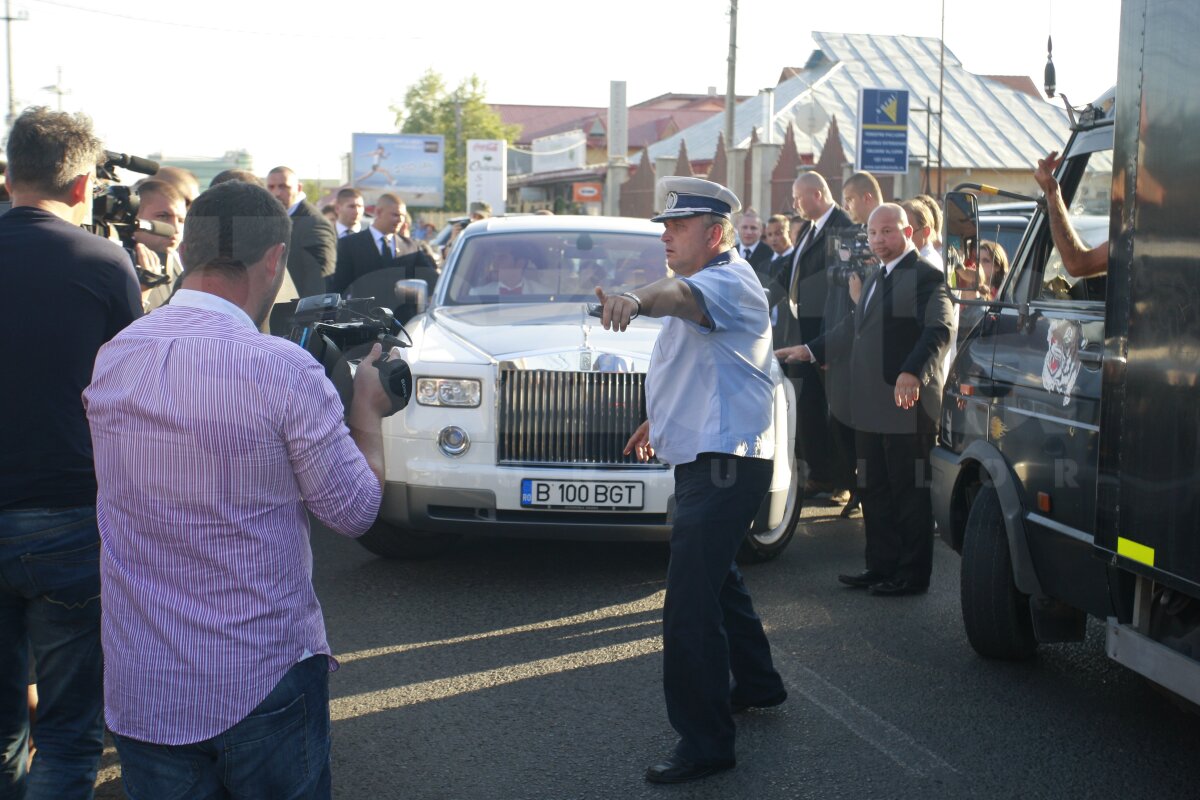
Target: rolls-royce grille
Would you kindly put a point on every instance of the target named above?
(576, 418)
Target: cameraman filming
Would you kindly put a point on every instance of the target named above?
(213, 637)
(49, 543)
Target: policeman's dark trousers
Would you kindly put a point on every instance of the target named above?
(897, 509)
(710, 630)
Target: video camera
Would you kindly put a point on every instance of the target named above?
(115, 208)
(849, 254)
(338, 333)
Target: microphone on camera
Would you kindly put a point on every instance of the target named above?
(133, 163)
(157, 228)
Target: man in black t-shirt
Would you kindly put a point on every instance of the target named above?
(67, 292)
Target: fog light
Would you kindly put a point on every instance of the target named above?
(453, 441)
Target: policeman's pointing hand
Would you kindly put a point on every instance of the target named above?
(618, 310)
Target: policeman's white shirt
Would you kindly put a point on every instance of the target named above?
(708, 389)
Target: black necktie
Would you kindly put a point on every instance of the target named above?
(805, 240)
(385, 249)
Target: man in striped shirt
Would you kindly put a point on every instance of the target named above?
(212, 441)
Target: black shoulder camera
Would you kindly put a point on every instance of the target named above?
(849, 254)
(115, 209)
(338, 333)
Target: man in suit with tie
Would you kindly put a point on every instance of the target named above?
(371, 261)
(349, 207)
(801, 319)
(778, 237)
(752, 247)
(895, 338)
(312, 251)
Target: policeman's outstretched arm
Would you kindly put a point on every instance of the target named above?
(668, 297)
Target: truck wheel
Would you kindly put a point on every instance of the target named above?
(995, 614)
(760, 546)
(389, 541)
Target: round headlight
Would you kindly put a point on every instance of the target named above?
(453, 441)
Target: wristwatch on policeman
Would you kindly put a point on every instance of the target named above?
(635, 299)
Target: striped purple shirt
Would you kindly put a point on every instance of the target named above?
(211, 439)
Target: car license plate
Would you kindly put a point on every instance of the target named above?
(597, 495)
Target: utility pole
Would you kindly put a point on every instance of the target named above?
(57, 89)
(9, 19)
(941, 100)
(730, 94)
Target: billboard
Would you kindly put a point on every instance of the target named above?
(560, 151)
(409, 165)
(882, 130)
(487, 173)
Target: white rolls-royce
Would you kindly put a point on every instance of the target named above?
(523, 403)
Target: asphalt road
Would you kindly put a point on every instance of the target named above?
(521, 669)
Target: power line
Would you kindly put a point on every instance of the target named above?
(213, 29)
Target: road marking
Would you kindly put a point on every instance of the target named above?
(864, 723)
(359, 705)
(653, 602)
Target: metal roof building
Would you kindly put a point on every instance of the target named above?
(989, 126)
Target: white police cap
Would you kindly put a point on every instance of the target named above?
(688, 197)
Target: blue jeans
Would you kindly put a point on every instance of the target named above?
(279, 751)
(50, 609)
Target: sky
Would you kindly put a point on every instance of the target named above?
(291, 82)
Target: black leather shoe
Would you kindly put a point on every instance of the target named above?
(853, 507)
(738, 707)
(895, 588)
(864, 579)
(676, 770)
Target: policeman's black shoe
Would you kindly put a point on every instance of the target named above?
(677, 770)
(897, 587)
(864, 579)
(840, 497)
(738, 706)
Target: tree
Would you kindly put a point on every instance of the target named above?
(459, 115)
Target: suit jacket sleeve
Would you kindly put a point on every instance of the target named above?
(834, 343)
(343, 274)
(324, 246)
(937, 310)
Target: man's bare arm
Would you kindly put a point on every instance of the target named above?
(1078, 260)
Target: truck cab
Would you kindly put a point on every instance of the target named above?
(1066, 471)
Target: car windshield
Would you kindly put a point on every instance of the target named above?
(552, 266)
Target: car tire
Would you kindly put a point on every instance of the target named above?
(760, 546)
(995, 613)
(391, 541)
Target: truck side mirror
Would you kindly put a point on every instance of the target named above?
(961, 235)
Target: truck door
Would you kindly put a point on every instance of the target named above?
(1046, 388)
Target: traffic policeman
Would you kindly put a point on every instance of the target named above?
(708, 397)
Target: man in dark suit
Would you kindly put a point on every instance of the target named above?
(752, 247)
(371, 261)
(803, 290)
(312, 249)
(895, 339)
(778, 237)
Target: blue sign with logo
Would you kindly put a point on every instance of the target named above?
(883, 130)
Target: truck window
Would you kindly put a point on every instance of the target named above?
(1089, 187)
